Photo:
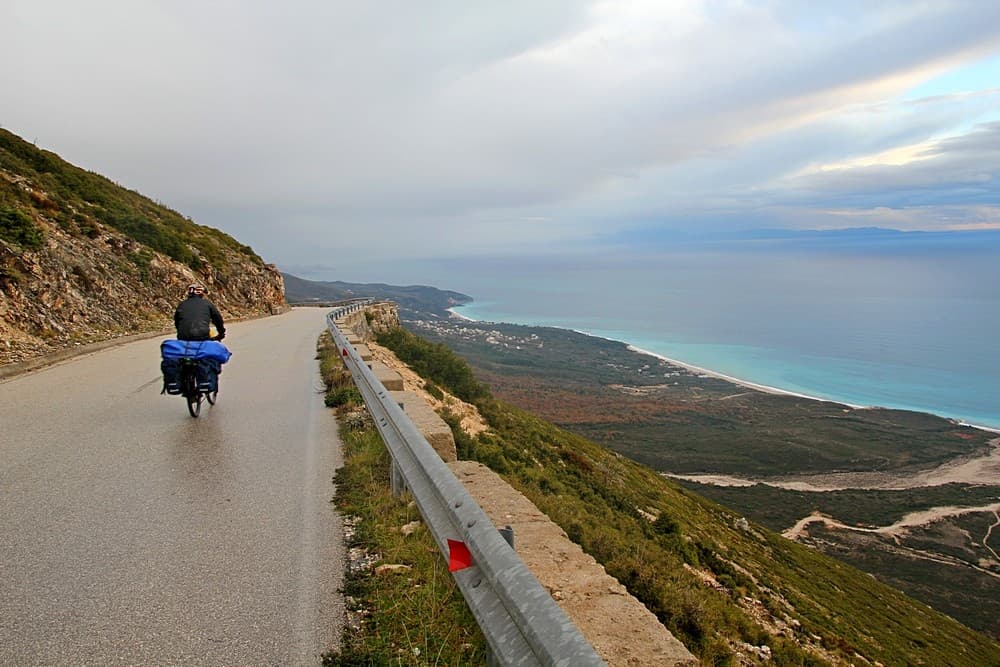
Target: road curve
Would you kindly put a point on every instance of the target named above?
(132, 534)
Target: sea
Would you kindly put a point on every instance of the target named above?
(899, 325)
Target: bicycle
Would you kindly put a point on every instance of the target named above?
(191, 369)
(192, 392)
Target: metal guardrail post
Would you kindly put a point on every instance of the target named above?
(507, 533)
(521, 622)
(396, 481)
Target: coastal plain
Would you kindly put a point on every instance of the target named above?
(909, 497)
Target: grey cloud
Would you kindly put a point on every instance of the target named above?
(958, 171)
(281, 122)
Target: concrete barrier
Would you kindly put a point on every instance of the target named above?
(389, 378)
(428, 422)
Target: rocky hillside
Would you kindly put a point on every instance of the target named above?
(84, 260)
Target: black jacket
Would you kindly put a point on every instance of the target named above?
(193, 316)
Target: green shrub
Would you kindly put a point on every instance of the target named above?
(142, 260)
(341, 391)
(88, 228)
(341, 396)
(8, 274)
(666, 524)
(465, 445)
(154, 235)
(435, 362)
(16, 227)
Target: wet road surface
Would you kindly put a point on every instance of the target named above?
(132, 534)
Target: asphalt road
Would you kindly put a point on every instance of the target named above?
(132, 534)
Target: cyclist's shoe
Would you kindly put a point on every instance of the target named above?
(172, 388)
(205, 386)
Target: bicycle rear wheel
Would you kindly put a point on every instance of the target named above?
(189, 387)
(194, 404)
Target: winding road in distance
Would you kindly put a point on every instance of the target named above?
(132, 534)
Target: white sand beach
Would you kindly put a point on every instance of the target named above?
(743, 383)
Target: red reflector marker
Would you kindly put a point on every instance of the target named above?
(459, 557)
(344, 352)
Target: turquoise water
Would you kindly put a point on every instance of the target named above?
(905, 330)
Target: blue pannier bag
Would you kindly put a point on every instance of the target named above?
(195, 349)
(210, 355)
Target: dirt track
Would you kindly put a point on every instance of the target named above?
(966, 470)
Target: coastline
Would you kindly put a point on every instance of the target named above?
(459, 315)
(728, 378)
(776, 390)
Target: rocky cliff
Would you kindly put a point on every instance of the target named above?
(373, 320)
(83, 260)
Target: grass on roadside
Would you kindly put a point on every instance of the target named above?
(403, 605)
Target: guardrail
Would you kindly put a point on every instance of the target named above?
(521, 622)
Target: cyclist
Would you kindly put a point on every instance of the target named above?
(194, 315)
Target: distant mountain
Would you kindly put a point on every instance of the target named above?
(413, 301)
(83, 259)
(879, 235)
(854, 237)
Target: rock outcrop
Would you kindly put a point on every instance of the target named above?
(375, 319)
(80, 290)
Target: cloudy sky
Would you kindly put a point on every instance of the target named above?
(366, 131)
